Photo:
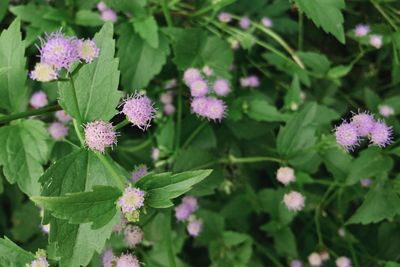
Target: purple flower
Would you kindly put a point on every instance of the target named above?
(99, 135)
(131, 200)
(347, 136)
(139, 110)
(221, 87)
(267, 22)
(296, 263)
(244, 22)
(101, 6)
(315, 259)
(253, 81)
(386, 111)
(191, 75)
(87, 50)
(365, 182)
(381, 134)
(166, 98)
(198, 88)
(376, 41)
(59, 51)
(62, 116)
(58, 130)
(363, 122)
(191, 203)
(343, 262)
(139, 172)
(198, 105)
(45, 228)
(169, 109)
(225, 17)
(107, 258)
(39, 262)
(109, 15)
(215, 109)
(133, 235)
(285, 175)
(38, 99)
(182, 212)
(194, 227)
(43, 73)
(361, 30)
(127, 260)
(294, 201)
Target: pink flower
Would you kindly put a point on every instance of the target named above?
(127, 260)
(294, 201)
(45, 228)
(191, 203)
(244, 22)
(43, 73)
(62, 116)
(267, 22)
(363, 122)
(107, 258)
(343, 262)
(38, 99)
(361, 30)
(347, 136)
(225, 17)
(198, 105)
(194, 227)
(221, 87)
(376, 41)
(386, 111)
(215, 109)
(131, 200)
(191, 75)
(253, 81)
(133, 235)
(99, 135)
(101, 6)
(365, 182)
(139, 110)
(39, 262)
(139, 172)
(285, 175)
(381, 134)
(169, 109)
(87, 50)
(314, 259)
(198, 88)
(117, 228)
(182, 212)
(166, 98)
(58, 130)
(296, 263)
(109, 15)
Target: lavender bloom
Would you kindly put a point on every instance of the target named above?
(221, 87)
(39, 262)
(169, 109)
(363, 122)
(194, 227)
(166, 98)
(365, 182)
(376, 41)
(38, 99)
(99, 135)
(127, 260)
(294, 201)
(62, 116)
(244, 22)
(139, 172)
(191, 75)
(381, 134)
(87, 50)
(225, 17)
(133, 236)
(58, 130)
(182, 212)
(361, 30)
(296, 263)
(191, 203)
(45, 228)
(285, 175)
(109, 15)
(139, 110)
(198, 88)
(253, 81)
(59, 51)
(43, 73)
(198, 105)
(347, 136)
(386, 111)
(107, 258)
(215, 109)
(101, 6)
(131, 200)
(343, 262)
(267, 22)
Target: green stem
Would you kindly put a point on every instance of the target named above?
(194, 134)
(25, 114)
(135, 148)
(268, 254)
(166, 12)
(317, 215)
(168, 232)
(121, 124)
(232, 159)
(78, 132)
(179, 119)
(383, 13)
(118, 179)
(75, 99)
(301, 31)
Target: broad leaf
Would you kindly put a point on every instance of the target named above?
(12, 255)
(97, 206)
(23, 150)
(261, 110)
(13, 92)
(147, 28)
(96, 83)
(3, 8)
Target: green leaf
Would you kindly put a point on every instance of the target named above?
(262, 110)
(88, 18)
(326, 14)
(292, 98)
(370, 163)
(13, 92)
(3, 8)
(97, 206)
(147, 28)
(12, 255)
(319, 63)
(25, 222)
(23, 150)
(139, 61)
(163, 187)
(165, 135)
(77, 172)
(339, 71)
(271, 202)
(96, 83)
(284, 239)
(381, 202)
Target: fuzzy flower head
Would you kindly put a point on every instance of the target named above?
(58, 130)
(215, 109)
(131, 200)
(109, 15)
(347, 136)
(40, 262)
(38, 99)
(191, 203)
(199, 105)
(221, 87)
(386, 111)
(191, 75)
(62, 116)
(194, 227)
(169, 109)
(139, 172)
(127, 260)
(139, 110)
(101, 6)
(43, 73)
(198, 88)
(343, 262)
(133, 235)
(107, 258)
(361, 30)
(87, 50)
(365, 182)
(376, 41)
(182, 212)
(285, 175)
(99, 135)
(45, 228)
(225, 17)
(294, 201)
(296, 263)
(314, 259)
(207, 70)
(244, 22)
(267, 22)
(58, 51)
(381, 134)
(253, 81)
(363, 122)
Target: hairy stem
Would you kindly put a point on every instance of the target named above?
(121, 124)
(25, 114)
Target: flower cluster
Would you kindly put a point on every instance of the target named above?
(244, 22)
(139, 110)
(184, 212)
(167, 99)
(99, 135)
(130, 202)
(108, 259)
(293, 200)
(107, 14)
(363, 124)
(58, 52)
(316, 259)
(58, 129)
(375, 40)
(204, 88)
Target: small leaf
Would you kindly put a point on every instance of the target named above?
(88, 18)
(261, 110)
(147, 28)
(12, 255)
